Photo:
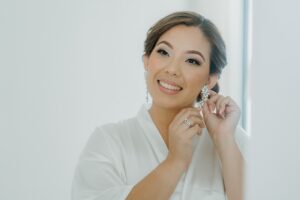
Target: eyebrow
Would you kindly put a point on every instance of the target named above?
(190, 51)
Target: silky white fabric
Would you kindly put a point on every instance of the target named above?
(119, 155)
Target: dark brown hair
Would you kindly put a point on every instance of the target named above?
(218, 58)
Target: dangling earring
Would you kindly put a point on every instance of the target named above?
(146, 76)
(204, 96)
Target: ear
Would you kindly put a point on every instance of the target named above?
(145, 61)
(212, 80)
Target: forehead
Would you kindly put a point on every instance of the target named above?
(185, 38)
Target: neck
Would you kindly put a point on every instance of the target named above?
(162, 117)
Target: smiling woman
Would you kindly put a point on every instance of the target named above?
(186, 145)
(173, 61)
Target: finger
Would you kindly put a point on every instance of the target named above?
(224, 102)
(197, 120)
(178, 128)
(218, 103)
(212, 102)
(232, 107)
(192, 121)
(212, 93)
(193, 131)
(205, 111)
(185, 115)
(215, 98)
(184, 128)
(211, 106)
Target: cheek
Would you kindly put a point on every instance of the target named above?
(156, 63)
(197, 78)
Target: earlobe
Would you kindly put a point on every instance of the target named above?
(212, 80)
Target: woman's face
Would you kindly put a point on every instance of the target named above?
(178, 67)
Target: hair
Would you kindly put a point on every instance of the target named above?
(218, 59)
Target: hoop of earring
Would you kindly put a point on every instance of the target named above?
(204, 96)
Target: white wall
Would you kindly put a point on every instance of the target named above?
(66, 66)
(274, 164)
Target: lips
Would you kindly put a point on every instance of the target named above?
(169, 85)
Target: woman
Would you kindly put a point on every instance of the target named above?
(187, 145)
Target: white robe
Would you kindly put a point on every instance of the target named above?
(118, 155)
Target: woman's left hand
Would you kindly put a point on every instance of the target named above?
(221, 115)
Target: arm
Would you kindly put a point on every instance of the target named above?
(232, 167)
(221, 115)
(160, 183)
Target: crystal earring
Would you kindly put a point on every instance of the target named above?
(146, 76)
(204, 96)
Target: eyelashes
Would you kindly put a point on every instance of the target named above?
(191, 61)
(162, 52)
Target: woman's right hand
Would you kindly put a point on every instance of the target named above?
(181, 135)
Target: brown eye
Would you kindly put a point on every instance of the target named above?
(162, 52)
(193, 61)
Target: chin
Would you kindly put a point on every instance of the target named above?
(178, 101)
(167, 104)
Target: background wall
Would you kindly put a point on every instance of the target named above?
(65, 67)
(274, 163)
(68, 66)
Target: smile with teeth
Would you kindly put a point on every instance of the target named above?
(168, 86)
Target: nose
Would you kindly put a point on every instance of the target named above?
(173, 68)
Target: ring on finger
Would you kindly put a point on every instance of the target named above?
(188, 122)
